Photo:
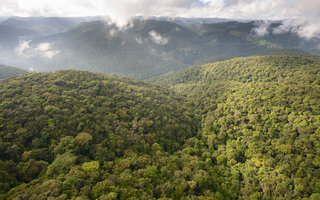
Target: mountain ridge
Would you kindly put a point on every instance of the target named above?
(146, 48)
(7, 72)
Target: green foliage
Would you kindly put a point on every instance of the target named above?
(66, 144)
(93, 135)
(110, 196)
(90, 166)
(258, 137)
(315, 196)
(83, 138)
(260, 119)
(61, 164)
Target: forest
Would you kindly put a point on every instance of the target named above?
(245, 128)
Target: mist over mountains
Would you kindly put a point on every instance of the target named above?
(7, 72)
(143, 48)
(162, 99)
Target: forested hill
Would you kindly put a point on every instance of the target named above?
(268, 68)
(246, 128)
(70, 133)
(260, 123)
(6, 72)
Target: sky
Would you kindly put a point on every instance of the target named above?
(301, 16)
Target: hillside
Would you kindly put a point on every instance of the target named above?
(15, 29)
(147, 48)
(143, 48)
(6, 72)
(71, 133)
(260, 123)
(267, 68)
(246, 128)
(44, 25)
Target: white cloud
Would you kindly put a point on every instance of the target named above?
(309, 30)
(43, 47)
(303, 14)
(262, 28)
(237, 2)
(286, 26)
(50, 54)
(22, 47)
(119, 11)
(157, 38)
(113, 32)
(42, 50)
(300, 16)
(306, 29)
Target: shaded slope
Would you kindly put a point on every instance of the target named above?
(43, 25)
(131, 51)
(7, 72)
(146, 48)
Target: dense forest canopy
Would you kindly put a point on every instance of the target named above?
(160, 100)
(246, 128)
(260, 123)
(75, 133)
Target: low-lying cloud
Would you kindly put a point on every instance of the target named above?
(262, 28)
(301, 16)
(304, 29)
(157, 38)
(42, 50)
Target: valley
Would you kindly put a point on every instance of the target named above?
(245, 128)
(159, 100)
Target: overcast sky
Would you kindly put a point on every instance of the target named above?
(302, 15)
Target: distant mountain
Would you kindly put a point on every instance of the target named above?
(45, 25)
(146, 48)
(16, 29)
(10, 36)
(2, 19)
(187, 21)
(7, 72)
(140, 50)
(17, 32)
